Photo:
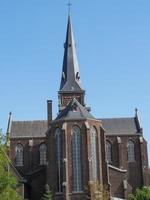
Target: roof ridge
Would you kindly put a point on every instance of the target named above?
(29, 120)
(117, 118)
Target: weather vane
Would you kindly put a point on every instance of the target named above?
(69, 6)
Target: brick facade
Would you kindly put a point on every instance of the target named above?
(122, 175)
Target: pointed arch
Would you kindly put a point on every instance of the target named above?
(93, 154)
(58, 141)
(19, 155)
(43, 153)
(131, 151)
(76, 159)
(108, 151)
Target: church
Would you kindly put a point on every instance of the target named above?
(77, 148)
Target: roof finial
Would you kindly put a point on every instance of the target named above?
(8, 130)
(9, 122)
(69, 6)
(136, 111)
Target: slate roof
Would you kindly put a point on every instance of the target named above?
(120, 126)
(27, 129)
(74, 110)
(112, 126)
(70, 80)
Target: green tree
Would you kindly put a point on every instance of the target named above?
(8, 184)
(141, 194)
(97, 191)
(47, 195)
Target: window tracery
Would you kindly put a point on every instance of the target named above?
(76, 160)
(131, 151)
(19, 155)
(58, 139)
(43, 154)
(93, 153)
(108, 152)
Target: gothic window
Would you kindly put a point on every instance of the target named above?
(58, 139)
(43, 154)
(77, 185)
(131, 151)
(19, 155)
(108, 151)
(93, 152)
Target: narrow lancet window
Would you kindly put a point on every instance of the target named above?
(77, 185)
(108, 152)
(131, 151)
(43, 154)
(93, 154)
(19, 155)
(58, 139)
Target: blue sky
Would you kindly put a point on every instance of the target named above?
(113, 47)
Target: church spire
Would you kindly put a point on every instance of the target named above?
(70, 79)
(70, 86)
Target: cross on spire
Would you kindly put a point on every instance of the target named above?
(69, 6)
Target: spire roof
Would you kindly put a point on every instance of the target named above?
(70, 80)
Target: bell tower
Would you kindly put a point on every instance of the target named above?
(70, 86)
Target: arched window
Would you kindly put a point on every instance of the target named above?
(58, 139)
(43, 154)
(108, 151)
(131, 151)
(93, 153)
(76, 160)
(19, 155)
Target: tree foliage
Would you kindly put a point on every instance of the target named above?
(47, 195)
(97, 191)
(141, 194)
(8, 183)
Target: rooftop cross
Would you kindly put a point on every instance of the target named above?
(69, 6)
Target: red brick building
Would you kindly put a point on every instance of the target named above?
(76, 148)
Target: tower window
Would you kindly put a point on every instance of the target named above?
(63, 75)
(19, 155)
(74, 108)
(108, 151)
(93, 154)
(77, 75)
(77, 185)
(131, 151)
(58, 139)
(43, 154)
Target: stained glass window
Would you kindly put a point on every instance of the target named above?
(108, 152)
(58, 139)
(19, 155)
(43, 154)
(93, 152)
(76, 160)
(131, 151)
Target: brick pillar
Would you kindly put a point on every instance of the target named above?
(66, 164)
(119, 153)
(143, 164)
(88, 148)
(49, 112)
(100, 143)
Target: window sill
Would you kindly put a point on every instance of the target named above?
(42, 165)
(78, 192)
(133, 161)
(58, 193)
(18, 165)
